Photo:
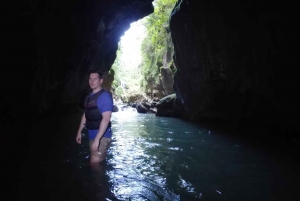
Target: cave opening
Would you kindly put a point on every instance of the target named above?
(144, 68)
(236, 70)
(127, 74)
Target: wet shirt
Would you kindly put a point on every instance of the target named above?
(104, 103)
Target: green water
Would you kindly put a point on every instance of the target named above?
(155, 158)
(150, 158)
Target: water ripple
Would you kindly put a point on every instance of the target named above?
(154, 158)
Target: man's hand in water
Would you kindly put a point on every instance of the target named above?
(78, 138)
(95, 145)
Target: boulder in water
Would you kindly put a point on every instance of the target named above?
(115, 108)
(153, 110)
(146, 105)
(168, 107)
(140, 108)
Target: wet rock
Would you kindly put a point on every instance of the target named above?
(155, 99)
(155, 89)
(125, 107)
(165, 107)
(153, 110)
(115, 108)
(140, 108)
(146, 105)
(154, 102)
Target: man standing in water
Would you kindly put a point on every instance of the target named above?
(96, 118)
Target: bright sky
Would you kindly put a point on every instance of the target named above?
(131, 45)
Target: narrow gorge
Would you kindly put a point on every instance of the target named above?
(236, 65)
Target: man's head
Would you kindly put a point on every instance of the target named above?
(95, 79)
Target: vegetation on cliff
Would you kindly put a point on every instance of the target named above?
(154, 44)
(157, 41)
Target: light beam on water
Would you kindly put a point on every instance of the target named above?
(155, 158)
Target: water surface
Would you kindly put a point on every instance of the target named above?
(150, 158)
(157, 158)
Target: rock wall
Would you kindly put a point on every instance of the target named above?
(167, 80)
(49, 46)
(53, 44)
(99, 45)
(237, 61)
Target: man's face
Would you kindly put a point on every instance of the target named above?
(94, 81)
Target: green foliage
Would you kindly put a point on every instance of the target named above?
(115, 84)
(119, 91)
(126, 81)
(155, 44)
(157, 41)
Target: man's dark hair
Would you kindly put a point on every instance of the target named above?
(96, 71)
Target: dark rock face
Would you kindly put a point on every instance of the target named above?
(155, 90)
(104, 22)
(168, 107)
(146, 105)
(166, 74)
(140, 108)
(51, 45)
(236, 60)
(167, 81)
(153, 110)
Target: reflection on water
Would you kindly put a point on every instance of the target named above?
(150, 158)
(155, 158)
(136, 172)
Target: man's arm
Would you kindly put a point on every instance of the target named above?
(102, 128)
(81, 126)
